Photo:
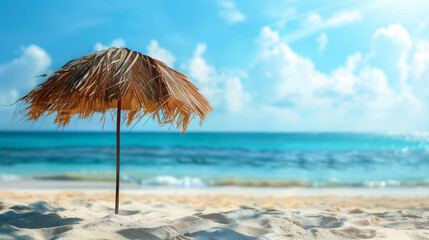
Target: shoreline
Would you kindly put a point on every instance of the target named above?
(130, 188)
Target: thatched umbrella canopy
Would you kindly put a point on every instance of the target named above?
(118, 79)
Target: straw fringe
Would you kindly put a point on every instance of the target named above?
(97, 81)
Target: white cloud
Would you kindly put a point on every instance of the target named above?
(342, 18)
(283, 64)
(223, 88)
(162, 54)
(204, 74)
(313, 19)
(200, 70)
(356, 94)
(20, 74)
(345, 78)
(230, 13)
(322, 41)
(419, 70)
(396, 32)
(235, 97)
(391, 46)
(115, 43)
(421, 59)
(315, 23)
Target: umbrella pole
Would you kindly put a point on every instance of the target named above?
(118, 131)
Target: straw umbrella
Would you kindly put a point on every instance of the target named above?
(117, 80)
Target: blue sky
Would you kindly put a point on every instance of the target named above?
(284, 65)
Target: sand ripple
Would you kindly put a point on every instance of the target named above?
(89, 216)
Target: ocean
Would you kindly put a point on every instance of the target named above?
(217, 159)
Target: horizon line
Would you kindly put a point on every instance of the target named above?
(214, 131)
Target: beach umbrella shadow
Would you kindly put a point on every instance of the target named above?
(117, 80)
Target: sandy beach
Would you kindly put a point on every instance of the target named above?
(214, 120)
(73, 212)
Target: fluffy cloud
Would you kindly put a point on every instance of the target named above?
(230, 13)
(162, 54)
(376, 90)
(397, 33)
(19, 75)
(203, 73)
(235, 97)
(115, 43)
(356, 93)
(223, 88)
(391, 46)
(421, 60)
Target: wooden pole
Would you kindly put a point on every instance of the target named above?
(118, 162)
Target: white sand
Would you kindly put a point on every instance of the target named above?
(221, 213)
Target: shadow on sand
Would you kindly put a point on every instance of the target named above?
(11, 221)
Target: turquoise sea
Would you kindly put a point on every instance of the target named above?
(205, 159)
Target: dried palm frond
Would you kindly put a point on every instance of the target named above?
(97, 81)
